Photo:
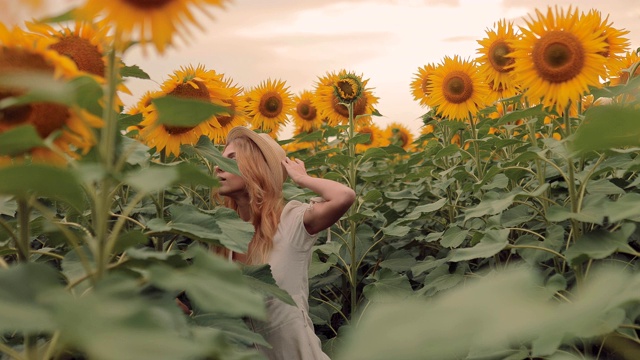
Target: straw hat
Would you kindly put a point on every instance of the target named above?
(271, 150)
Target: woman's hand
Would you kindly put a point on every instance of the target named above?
(295, 168)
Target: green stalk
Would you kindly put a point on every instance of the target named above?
(23, 246)
(353, 269)
(476, 147)
(106, 150)
(573, 194)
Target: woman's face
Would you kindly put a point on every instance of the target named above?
(230, 184)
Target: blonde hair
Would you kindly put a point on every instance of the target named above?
(265, 198)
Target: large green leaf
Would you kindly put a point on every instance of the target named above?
(160, 176)
(207, 150)
(213, 284)
(19, 140)
(386, 284)
(491, 313)
(608, 126)
(115, 321)
(39, 87)
(260, 278)
(600, 244)
(492, 243)
(625, 207)
(175, 111)
(25, 291)
(42, 180)
(219, 226)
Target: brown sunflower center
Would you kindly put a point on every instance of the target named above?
(188, 91)
(306, 111)
(558, 56)
(148, 4)
(86, 55)
(225, 120)
(457, 87)
(498, 56)
(270, 105)
(347, 89)
(45, 117)
(359, 107)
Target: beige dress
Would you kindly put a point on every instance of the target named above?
(289, 329)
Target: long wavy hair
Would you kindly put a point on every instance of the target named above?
(265, 199)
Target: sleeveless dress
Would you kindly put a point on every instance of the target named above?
(289, 329)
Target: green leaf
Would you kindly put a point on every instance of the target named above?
(453, 237)
(115, 321)
(213, 283)
(260, 278)
(399, 261)
(25, 291)
(19, 139)
(219, 226)
(625, 207)
(8, 206)
(396, 230)
(374, 153)
(387, 284)
(447, 151)
(492, 203)
(133, 71)
(512, 117)
(38, 87)
(360, 138)
(340, 159)
(591, 212)
(601, 243)
(608, 126)
(400, 195)
(492, 243)
(205, 148)
(152, 179)
(175, 111)
(42, 180)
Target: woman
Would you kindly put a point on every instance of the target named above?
(284, 233)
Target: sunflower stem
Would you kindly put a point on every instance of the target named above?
(353, 269)
(22, 244)
(476, 147)
(107, 154)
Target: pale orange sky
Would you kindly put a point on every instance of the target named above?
(386, 41)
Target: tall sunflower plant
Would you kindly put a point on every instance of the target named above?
(105, 219)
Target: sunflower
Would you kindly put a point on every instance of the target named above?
(189, 83)
(25, 53)
(558, 57)
(457, 89)
(616, 43)
(268, 105)
(622, 68)
(377, 137)
(85, 44)
(420, 84)
(495, 65)
(236, 116)
(153, 21)
(335, 90)
(305, 116)
(396, 133)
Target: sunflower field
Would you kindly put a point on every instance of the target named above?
(507, 229)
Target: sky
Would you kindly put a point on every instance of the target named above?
(297, 41)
